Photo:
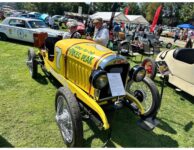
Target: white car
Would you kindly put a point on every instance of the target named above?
(24, 28)
(56, 17)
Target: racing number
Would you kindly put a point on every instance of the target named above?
(58, 51)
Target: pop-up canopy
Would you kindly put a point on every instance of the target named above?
(106, 16)
(138, 19)
(189, 26)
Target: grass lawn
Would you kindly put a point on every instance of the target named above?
(27, 114)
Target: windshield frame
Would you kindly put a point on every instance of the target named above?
(34, 24)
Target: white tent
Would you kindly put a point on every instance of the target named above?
(106, 16)
(138, 19)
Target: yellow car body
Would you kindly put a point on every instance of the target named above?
(73, 63)
(92, 75)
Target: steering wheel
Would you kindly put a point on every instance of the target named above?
(76, 35)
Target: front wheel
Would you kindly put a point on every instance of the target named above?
(147, 94)
(68, 117)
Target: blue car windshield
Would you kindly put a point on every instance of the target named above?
(37, 24)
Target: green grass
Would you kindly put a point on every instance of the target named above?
(27, 112)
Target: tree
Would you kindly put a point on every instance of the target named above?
(186, 12)
(151, 9)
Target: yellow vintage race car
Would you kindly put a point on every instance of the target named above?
(91, 77)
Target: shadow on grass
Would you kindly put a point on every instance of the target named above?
(184, 95)
(126, 133)
(4, 143)
(20, 42)
(54, 81)
(188, 126)
(164, 126)
(41, 79)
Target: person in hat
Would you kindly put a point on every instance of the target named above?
(72, 26)
(101, 34)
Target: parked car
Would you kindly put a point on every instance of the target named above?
(63, 19)
(34, 15)
(168, 32)
(177, 65)
(91, 77)
(56, 18)
(24, 28)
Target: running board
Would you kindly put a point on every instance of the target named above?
(148, 124)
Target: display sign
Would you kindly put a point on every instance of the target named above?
(116, 84)
(163, 68)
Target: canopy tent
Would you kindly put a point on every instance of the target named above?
(106, 16)
(138, 19)
(189, 26)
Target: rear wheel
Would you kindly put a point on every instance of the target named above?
(68, 117)
(150, 67)
(3, 37)
(32, 63)
(147, 93)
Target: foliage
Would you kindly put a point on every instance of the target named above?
(151, 9)
(53, 8)
(172, 13)
(186, 11)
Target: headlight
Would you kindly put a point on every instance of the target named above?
(99, 79)
(137, 73)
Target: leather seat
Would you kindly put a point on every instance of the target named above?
(50, 44)
(185, 55)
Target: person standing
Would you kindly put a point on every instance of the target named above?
(101, 34)
(116, 30)
(51, 22)
(72, 28)
(176, 35)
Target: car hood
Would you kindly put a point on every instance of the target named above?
(51, 32)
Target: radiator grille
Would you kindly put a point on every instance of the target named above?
(78, 73)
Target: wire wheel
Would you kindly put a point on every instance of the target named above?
(64, 119)
(147, 94)
(68, 117)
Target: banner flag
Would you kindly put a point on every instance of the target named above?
(157, 14)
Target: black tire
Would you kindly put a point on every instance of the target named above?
(168, 45)
(147, 93)
(32, 63)
(3, 37)
(124, 48)
(150, 67)
(67, 103)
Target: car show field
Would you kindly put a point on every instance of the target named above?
(28, 114)
(96, 75)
